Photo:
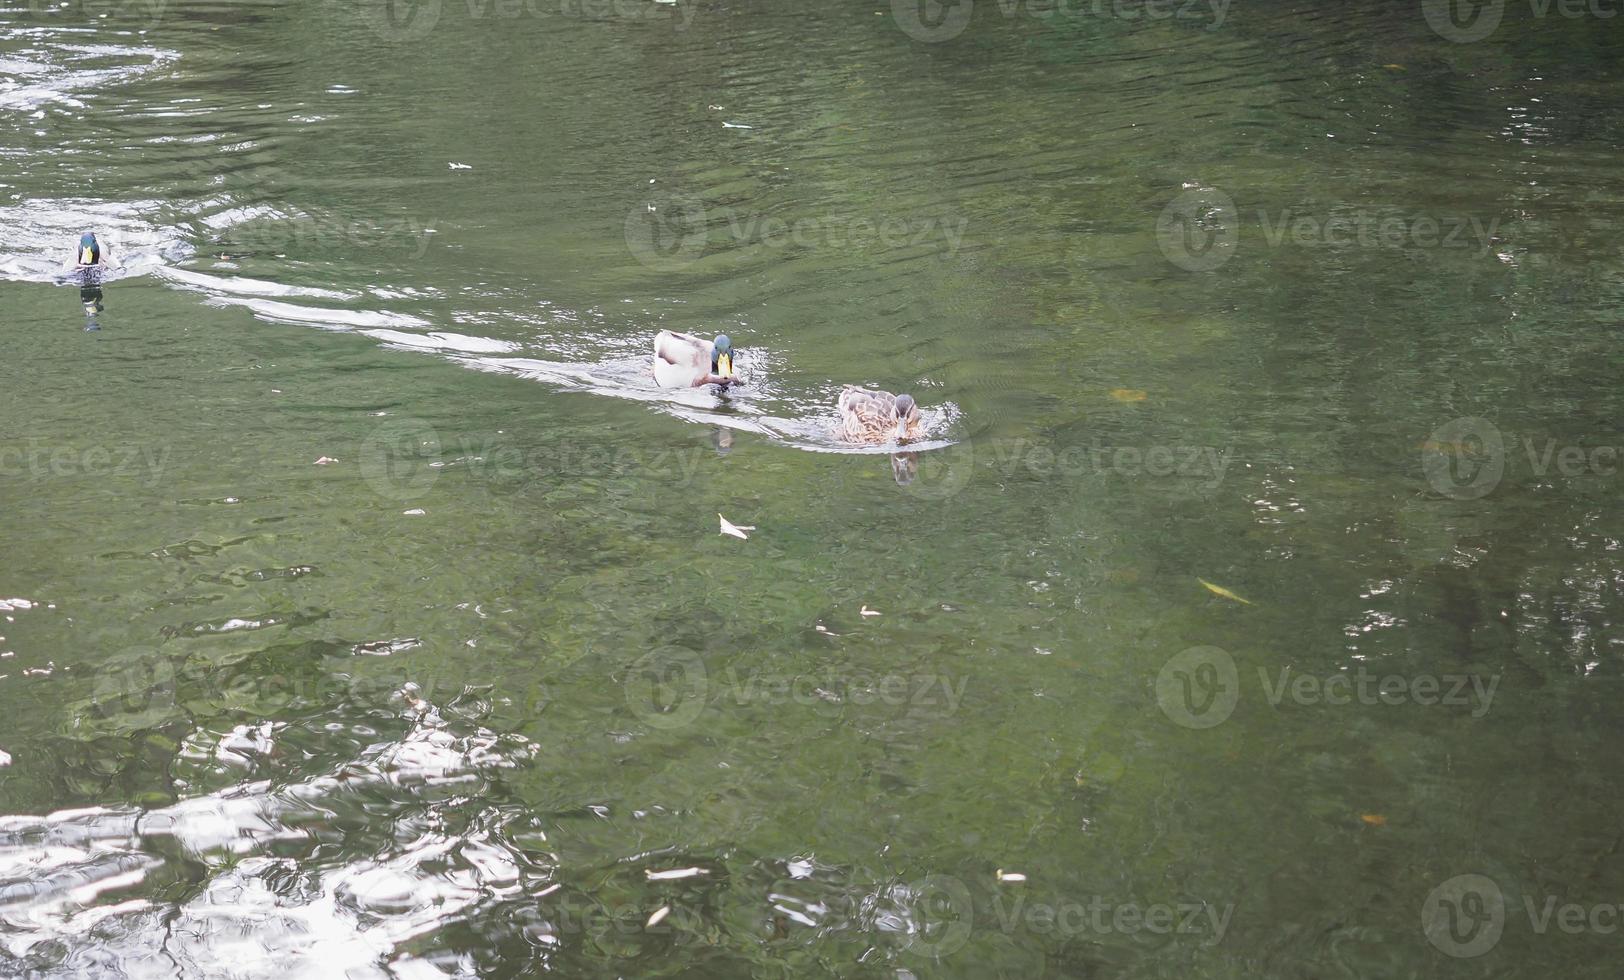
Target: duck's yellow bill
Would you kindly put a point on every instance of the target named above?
(724, 365)
(87, 257)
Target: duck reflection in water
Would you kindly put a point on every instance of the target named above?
(90, 259)
(905, 467)
(90, 297)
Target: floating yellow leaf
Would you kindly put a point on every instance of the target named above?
(1396, 67)
(1220, 590)
(1373, 819)
(1128, 395)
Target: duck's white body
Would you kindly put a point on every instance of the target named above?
(681, 360)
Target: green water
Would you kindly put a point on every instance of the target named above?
(365, 610)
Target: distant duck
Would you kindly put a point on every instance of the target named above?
(685, 361)
(90, 251)
(878, 417)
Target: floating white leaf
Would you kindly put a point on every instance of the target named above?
(676, 874)
(728, 527)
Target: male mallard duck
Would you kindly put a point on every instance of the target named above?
(877, 417)
(90, 251)
(684, 361)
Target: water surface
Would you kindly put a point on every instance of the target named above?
(365, 610)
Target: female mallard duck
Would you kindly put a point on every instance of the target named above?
(877, 417)
(684, 361)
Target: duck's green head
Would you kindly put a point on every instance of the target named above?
(89, 249)
(722, 357)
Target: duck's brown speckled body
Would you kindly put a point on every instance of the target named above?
(873, 417)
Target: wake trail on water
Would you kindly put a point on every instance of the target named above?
(234, 244)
